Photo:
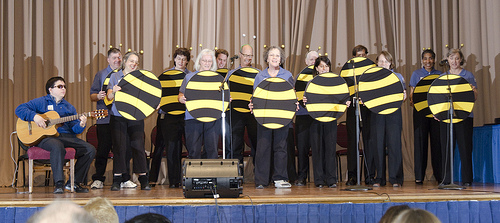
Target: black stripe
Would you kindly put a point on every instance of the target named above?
(128, 108)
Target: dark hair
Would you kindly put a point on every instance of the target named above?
(282, 55)
(113, 50)
(433, 55)
(149, 218)
(359, 48)
(51, 81)
(223, 51)
(184, 52)
(318, 62)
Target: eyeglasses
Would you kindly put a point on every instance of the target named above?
(246, 55)
(60, 86)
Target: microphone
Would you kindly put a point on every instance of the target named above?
(234, 57)
(443, 62)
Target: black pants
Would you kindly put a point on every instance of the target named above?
(302, 130)
(462, 135)
(103, 147)
(169, 136)
(128, 135)
(386, 133)
(204, 134)
(424, 127)
(239, 121)
(351, 141)
(56, 146)
(323, 145)
(271, 142)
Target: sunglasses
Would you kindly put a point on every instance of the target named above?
(60, 86)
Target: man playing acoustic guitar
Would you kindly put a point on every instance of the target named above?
(85, 152)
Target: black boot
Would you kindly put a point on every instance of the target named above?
(117, 180)
(143, 179)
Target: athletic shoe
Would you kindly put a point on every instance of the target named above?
(128, 184)
(97, 184)
(282, 184)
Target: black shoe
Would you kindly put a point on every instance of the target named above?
(419, 182)
(300, 183)
(115, 186)
(78, 188)
(260, 186)
(143, 179)
(351, 182)
(59, 190)
(467, 184)
(319, 185)
(332, 186)
(174, 185)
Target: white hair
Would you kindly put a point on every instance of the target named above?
(201, 54)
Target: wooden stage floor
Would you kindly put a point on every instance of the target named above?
(162, 195)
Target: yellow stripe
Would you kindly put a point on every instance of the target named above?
(240, 96)
(249, 70)
(107, 101)
(455, 120)
(378, 84)
(326, 119)
(172, 72)
(464, 106)
(106, 81)
(138, 83)
(127, 115)
(329, 75)
(176, 112)
(327, 90)
(242, 80)
(437, 108)
(207, 73)
(197, 104)
(135, 102)
(305, 77)
(273, 125)
(421, 105)
(449, 77)
(318, 107)
(205, 86)
(454, 88)
(429, 116)
(276, 95)
(171, 83)
(384, 100)
(273, 113)
(242, 110)
(300, 95)
(388, 111)
(169, 100)
(149, 74)
(421, 89)
(206, 119)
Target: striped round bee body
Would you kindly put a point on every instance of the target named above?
(302, 79)
(354, 68)
(241, 87)
(171, 81)
(461, 93)
(381, 90)
(105, 88)
(140, 95)
(204, 96)
(420, 95)
(274, 103)
(326, 96)
(222, 72)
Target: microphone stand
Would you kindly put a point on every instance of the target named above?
(357, 114)
(451, 111)
(223, 116)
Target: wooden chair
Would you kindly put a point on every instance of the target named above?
(37, 153)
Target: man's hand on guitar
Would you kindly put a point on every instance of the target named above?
(40, 121)
(83, 120)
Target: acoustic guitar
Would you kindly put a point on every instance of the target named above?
(30, 134)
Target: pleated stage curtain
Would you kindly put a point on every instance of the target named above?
(446, 211)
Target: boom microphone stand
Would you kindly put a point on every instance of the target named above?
(358, 186)
(451, 112)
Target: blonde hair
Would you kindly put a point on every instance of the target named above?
(102, 210)
(201, 54)
(416, 215)
(388, 57)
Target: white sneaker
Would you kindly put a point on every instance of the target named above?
(128, 184)
(97, 184)
(282, 184)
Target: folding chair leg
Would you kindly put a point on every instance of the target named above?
(72, 174)
(30, 181)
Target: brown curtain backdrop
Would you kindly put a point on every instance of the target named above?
(70, 38)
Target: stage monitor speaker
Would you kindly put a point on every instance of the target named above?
(206, 178)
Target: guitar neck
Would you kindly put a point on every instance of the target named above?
(68, 118)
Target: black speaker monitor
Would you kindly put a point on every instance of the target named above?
(206, 178)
